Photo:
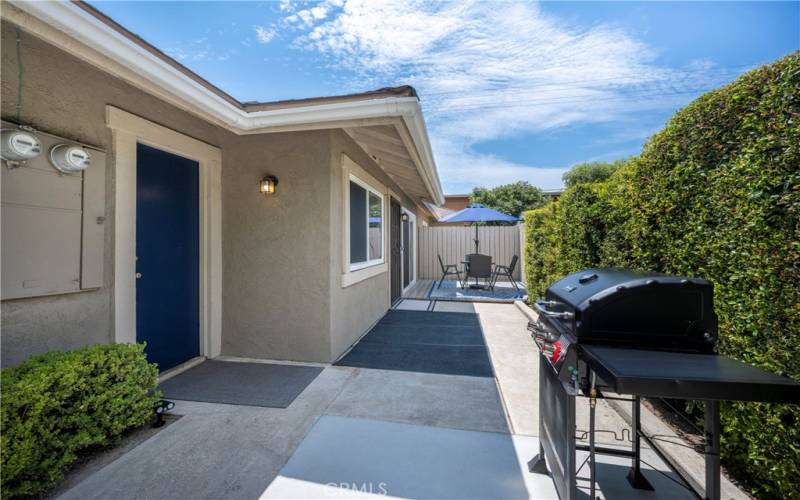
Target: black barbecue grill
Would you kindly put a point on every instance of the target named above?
(634, 334)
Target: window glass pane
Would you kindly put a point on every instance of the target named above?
(358, 223)
(375, 227)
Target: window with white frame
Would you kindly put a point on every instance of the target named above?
(366, 225)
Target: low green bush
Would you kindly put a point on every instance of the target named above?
(58, 405)
(715, 194)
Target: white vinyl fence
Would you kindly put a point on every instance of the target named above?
(453, 243)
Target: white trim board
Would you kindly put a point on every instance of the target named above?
(67, 25)
(351, 169)
(128, 130)
(414, 246)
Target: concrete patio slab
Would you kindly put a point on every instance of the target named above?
(412, 305)
(359, 432)
(215, 450)
(450, 306)
(435, 305)
(342, 456)
(346, 457)
(515, 361)
(612, 480)
(458, 402)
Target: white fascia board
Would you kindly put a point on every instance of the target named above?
(331, 112)
(82, 26)
(87, 29)
(419, 133)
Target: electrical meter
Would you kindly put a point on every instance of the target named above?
(19, 145)
(69, 159)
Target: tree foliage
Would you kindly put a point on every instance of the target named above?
(595, 171)
(511, 199)
(715, 194)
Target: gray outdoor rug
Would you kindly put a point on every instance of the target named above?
(420, 341)
(451, 291)
(235, 383)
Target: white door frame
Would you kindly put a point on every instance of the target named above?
(128, 130)
(413, 218)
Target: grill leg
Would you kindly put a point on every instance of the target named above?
(537, 464)
(592, 461)
(635, 476)
(712, 431)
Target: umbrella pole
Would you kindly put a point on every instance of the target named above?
(476, 249)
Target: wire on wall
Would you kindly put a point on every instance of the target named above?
(20, 75)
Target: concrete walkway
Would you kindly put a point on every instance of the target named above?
(359, 432)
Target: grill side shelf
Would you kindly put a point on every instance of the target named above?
(687, 376)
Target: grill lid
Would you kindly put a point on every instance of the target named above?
(626, 307)
(579, 287)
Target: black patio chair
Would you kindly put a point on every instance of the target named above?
(448, 270)
(507, 271)
(480, 266)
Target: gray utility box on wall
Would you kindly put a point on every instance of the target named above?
(53, 224)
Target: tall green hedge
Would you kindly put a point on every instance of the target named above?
(61, 404)
(715, 194)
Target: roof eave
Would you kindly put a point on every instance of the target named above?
(144, 66)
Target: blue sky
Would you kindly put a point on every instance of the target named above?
(511, 90)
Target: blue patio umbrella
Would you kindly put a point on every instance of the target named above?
(475, 213)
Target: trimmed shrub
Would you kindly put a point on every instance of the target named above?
(542, 251)
(715, 194)
(58, 405)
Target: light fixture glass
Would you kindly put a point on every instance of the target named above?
(267, 184)
(404, 217)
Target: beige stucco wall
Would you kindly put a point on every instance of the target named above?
(270, 309)
(67, 97)
(282, 254)
(276, 248)
(356, 308)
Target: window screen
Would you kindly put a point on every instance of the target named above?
(358, 223)
(375, 227)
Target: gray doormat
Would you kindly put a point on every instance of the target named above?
(235, 383)
(420, 341)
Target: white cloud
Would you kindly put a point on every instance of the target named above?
(264, 35)
(489, 70)
(461, 170)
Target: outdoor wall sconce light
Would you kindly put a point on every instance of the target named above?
(404, 217)
(267, 184)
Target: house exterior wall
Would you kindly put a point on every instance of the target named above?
(67, 97)
(275, 248)
(355, 308)
(281, 254)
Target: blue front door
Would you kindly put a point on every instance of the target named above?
(167, 256)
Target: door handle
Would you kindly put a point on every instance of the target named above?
(138, 275)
